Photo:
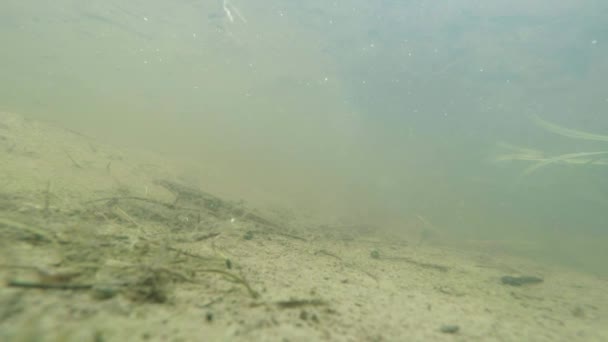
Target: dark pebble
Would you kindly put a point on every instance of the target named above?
(449, 328)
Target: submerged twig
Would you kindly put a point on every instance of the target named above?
(73, 161)
(421, 264)
(296, 303)
(568, 132)
(47, 286)
(36, 233)
(561, 158)
(235, 278)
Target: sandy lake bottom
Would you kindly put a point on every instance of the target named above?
(99, 243)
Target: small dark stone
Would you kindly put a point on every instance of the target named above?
(248, 235)
(449, 328)
(209, 316)
(375, 254)
(519, 281)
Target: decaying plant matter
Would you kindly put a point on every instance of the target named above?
(541, 160)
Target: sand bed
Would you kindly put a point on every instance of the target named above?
(103, 244)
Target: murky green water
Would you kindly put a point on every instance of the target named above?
(377, 111)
